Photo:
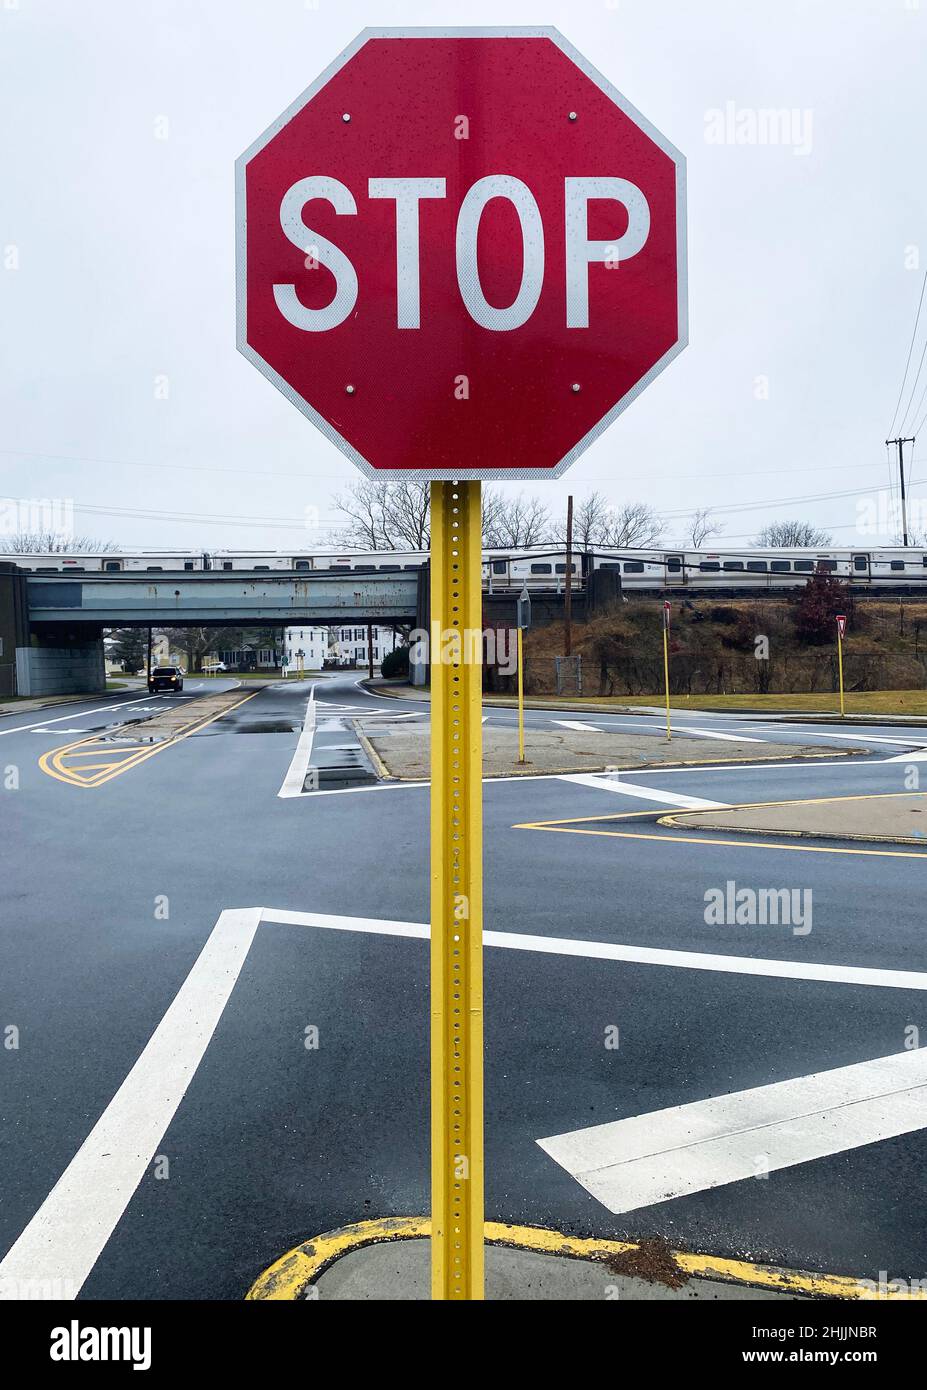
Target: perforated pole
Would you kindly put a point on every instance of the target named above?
(456, 894)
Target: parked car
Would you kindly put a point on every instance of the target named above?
(165, 678)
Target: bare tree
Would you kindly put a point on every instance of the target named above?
(702, 524)
(386, 514)
(394, 514)
(597, 523)
(514, 521)
(591, 520)
(788, 535)
(634, 525)
(53, 543)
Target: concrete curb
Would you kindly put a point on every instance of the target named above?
(676, 822)
(292, 1276)
(771, 716)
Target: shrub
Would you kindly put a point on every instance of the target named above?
(396, 663)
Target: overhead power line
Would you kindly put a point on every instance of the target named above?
(917, 319)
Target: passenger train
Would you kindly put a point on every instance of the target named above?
(539, 568)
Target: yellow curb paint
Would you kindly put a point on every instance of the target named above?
(122, 759)
(288, 1278)
(671, 815)
(701, 838)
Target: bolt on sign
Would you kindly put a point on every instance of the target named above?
(461, 254)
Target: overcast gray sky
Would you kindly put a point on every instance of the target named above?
(117, 256)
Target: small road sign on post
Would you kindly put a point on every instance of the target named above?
(522, 623)
(461, 254)
(666, 683)
(841, 629)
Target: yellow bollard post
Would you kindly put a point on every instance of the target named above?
(456, 893)
(666, 618)
(521, 699)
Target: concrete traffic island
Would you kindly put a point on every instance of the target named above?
(895, 817)
(388, 1259)
(403, 751)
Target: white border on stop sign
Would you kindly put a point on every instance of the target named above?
(241, 237)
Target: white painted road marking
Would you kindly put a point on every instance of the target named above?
(299, 766)
(671, 1153)
(65, 1238)
(577, 724)
(606, 783)
(99, 709)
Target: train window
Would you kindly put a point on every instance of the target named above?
(673, 564)
(861, 562)
(541, 569)
(711, 565)
(76, 569)
(498, 566)
(897, 564)
(804, 566)
(757, 566)
(46, 569)
(262, 567)
(827, 566)
(634, 567)
(733, 564)
(562, 569)
(391, 569)
(302, 565)
(780, 566)
(411, 567)
(155, 568)
(616, 564)
(365, 569)
(110, 565)
(188, 564)
(226, 564)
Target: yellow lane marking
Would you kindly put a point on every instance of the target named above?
(118, 760)
(700, 838)
(669, 815)
(730, 806)
(289, 1277)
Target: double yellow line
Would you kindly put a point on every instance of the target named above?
(92, 761)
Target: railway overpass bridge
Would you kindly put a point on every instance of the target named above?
(51, 626)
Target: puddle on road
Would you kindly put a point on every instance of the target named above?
(267, 726)
(338, 767)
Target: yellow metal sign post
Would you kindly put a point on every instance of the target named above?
(841, 624)
(521, 698)
(666, 623)
(523, 618)
(456, 893)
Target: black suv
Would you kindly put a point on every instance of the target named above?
(165, 678)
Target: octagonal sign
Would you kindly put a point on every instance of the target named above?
(461, 253)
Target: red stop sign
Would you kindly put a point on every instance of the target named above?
(462, 253)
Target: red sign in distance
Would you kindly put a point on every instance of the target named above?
(461, 253)
(841, 624)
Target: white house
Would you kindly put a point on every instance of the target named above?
(306, 648)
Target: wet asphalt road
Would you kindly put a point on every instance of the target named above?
(111, 893)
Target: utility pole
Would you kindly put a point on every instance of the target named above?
(904, 506)
(568, 592)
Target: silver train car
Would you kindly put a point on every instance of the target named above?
(541, 569)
